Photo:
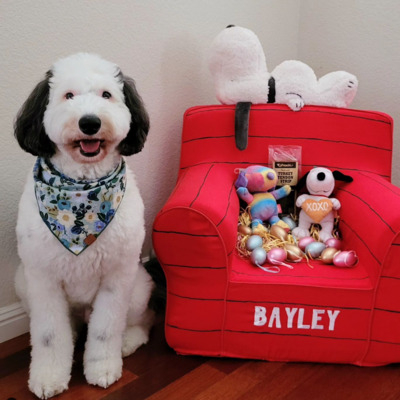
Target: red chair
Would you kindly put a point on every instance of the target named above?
(219, 304)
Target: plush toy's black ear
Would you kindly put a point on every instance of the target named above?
(28, 125)
(342, 177)
(140, 125)
(302, 182)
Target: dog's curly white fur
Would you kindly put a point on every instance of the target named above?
(82, 93)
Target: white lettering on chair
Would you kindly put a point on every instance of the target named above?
(260, 318)
(290, 314)
(332, 319)
(275, 318)
(295, 318)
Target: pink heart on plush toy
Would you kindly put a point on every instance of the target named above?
(317, 210)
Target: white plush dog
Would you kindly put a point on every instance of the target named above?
(317, 207)
(80, 225)
(238, 66)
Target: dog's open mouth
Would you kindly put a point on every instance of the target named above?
(90, 148)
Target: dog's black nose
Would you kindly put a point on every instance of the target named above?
(89, 124)
(321, 176)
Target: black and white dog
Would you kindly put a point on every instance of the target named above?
(80, 225)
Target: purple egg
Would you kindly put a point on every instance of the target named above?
(345, 259)
(333, 242)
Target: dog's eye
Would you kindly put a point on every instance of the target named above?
(69, 95)
(106, 95)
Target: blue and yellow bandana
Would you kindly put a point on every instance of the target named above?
(77, 212)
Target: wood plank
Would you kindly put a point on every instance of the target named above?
(191, 384)
(160, 371)
(14, 345)
(279, 383)
(240, 381)
(332, 382)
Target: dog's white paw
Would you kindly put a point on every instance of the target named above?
(46, 384)
(103, 372)
(134, 337)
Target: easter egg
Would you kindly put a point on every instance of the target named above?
(315, 249)
(289, 221)
(276, 256)
(293, 253)
(345, 259)
(244, 230)
(258, 256)
(278, 232)
(305, 241)
(253, 241)
(328, 254)
(333, 242)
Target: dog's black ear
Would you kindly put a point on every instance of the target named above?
(28, 125)
(140, 125)
(342, 177)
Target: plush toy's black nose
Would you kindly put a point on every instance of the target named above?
(89, 124)
(321, 176)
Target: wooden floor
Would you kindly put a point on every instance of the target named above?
(156, 372)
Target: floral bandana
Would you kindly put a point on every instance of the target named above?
(77, 212)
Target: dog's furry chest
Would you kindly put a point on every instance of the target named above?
(80, 276)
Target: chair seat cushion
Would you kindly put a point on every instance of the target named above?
(313, 274)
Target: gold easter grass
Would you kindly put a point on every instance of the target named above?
(270, 241)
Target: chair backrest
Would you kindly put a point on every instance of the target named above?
(335, 138)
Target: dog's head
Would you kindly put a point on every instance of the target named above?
(84, 109)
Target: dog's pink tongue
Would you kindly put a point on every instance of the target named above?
(90, 146)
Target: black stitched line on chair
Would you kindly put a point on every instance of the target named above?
(371, 208)
(227, 207)
(359, 237)
(201, 187)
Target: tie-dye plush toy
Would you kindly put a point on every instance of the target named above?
(256, 186)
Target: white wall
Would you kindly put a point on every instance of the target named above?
(161, 44)
(362, 37)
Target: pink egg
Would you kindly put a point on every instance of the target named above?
(304, 242)
(276, 256)
(345, 259)
(334, 242)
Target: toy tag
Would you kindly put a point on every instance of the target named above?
(287, 171)
(286, 161)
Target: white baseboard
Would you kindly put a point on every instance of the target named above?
(14, 321)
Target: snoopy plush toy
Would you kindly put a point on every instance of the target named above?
(317, 207)
(239, 69)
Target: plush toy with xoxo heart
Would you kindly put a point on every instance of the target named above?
(317, 207)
